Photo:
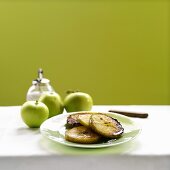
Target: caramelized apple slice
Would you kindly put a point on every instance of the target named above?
(106, 125)
(82, 135)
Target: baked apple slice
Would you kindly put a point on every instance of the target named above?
(82, 134)
(106, 126)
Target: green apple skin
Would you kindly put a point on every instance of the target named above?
(34, 113)
(54, 103)
(78, 101)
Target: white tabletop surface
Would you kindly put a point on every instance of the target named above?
(24, 148)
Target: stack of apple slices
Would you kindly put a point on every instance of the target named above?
(92, 127)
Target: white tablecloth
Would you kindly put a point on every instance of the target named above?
(22, 148)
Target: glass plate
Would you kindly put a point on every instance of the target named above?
(54, 129)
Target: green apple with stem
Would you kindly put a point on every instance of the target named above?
(54, 103)
(34, 113)
(78, 101)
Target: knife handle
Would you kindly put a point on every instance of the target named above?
(130, 114)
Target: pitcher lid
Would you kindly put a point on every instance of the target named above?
(40, 80)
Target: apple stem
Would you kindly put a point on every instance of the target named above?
(36, 102)
(72, 91)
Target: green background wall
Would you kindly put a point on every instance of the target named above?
(116, 50)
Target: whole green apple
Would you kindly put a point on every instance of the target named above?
(34, 113)
(78, 101)
(54, 103)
